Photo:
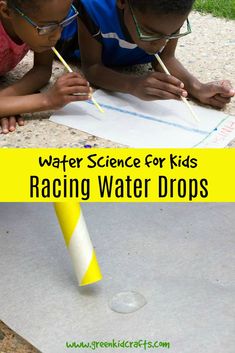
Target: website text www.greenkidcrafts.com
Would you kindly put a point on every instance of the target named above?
(118, 344)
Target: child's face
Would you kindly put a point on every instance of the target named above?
(151, 25)
(49, 12)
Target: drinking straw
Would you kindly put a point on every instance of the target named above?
(183, 98)
(70, 70)
(78, 242)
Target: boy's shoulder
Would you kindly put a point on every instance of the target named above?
(11, 53)
(96, 5)
(103, 13)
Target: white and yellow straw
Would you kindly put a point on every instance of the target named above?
(183, 98)
(78, 242)
(66, 65)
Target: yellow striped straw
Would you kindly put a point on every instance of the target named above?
(182, 98)
(66, 65)
(78, 242)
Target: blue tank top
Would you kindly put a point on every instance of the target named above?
(118, 48)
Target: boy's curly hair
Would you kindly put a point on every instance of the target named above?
(24, 4)
(163, 6)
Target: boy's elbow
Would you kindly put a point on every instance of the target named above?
(47, 74)
(87, 70)
(91, 72)
(43, 73)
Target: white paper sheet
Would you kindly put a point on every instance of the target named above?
(130, 121)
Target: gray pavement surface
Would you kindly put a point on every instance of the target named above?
(180, 257)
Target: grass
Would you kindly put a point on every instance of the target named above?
(219, 8)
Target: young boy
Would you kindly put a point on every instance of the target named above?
(129, 32)
(35, 25)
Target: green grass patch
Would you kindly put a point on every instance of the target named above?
(219, 8)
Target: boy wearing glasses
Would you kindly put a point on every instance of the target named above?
(129, 32)
(35, 25)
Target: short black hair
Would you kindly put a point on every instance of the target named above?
(24, 4)
(180, 7)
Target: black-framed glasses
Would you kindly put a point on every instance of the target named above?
(149, 38)
(45, 30)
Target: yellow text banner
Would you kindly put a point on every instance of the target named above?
(117, 175)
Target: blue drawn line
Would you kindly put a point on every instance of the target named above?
(216, 128)
(148, 117)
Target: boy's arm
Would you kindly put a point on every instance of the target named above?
(150, 86)
(215, 93)
(95, 72)
(19, 98)
(176, 69)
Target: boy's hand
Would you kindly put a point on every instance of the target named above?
(216, 94)
(158, 85)
(9, 124)
(68, 88)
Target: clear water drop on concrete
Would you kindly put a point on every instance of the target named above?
(127, 302)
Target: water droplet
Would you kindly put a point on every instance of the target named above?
(127, 302)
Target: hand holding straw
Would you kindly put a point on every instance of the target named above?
(183, 98)
(70, 70)
(78, 242)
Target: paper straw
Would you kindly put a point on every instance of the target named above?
(78, 242)
(183, 98)
(70, 70)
